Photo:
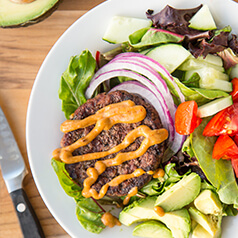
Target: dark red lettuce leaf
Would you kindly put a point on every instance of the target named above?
(169, 17)
(200, 43)
(204, 48)
(233, 43)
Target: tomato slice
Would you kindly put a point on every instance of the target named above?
(186, 119)
(225, 148)
(234, 163)
(234, 92)
(224, 122)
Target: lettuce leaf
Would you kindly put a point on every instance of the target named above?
(75, 80)
(146, 37)
(88, 211)
(89, 215)
(201, 96)
(219, 172)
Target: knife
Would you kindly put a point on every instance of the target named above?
(13, 172)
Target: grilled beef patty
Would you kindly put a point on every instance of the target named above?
(107, 139)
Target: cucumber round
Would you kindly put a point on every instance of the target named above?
(203, 20)
(171, 56)
(214, 107)
(120, 28)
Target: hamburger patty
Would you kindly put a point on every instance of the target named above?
(107, 139)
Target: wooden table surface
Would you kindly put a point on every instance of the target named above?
(22, 53)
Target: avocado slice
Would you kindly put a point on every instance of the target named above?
(211, 223)
(178, 222)
(208, 202)
(21, 14)
(180, 194)
(152, 229)
(199, 232)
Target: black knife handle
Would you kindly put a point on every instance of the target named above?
(29, 222)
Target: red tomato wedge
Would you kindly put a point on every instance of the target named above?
(234, 92)
(225, 148)
(186, 119)
(234, 163)
(224, 122)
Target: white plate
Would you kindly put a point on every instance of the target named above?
(44, 114)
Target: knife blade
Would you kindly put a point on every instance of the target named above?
(13, 172)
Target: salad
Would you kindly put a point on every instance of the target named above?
(187, 69)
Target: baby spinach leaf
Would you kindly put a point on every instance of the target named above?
(218, 172)
(88, 212)
(75, 80)
(89, 215)
(70, 187)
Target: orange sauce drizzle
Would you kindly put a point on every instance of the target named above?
(132, 193)
(158, 173)
(104, 119)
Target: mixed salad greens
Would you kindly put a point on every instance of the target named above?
(177, 56)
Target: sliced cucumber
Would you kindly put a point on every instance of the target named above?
(192, 63)
(171, 56)
(214, 107)
(203, 20)
(234, 72)
(210, 79)
(212, 59)
(207, 72)
(120, 28)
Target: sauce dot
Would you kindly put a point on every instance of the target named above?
(159, 211)
(109, 220)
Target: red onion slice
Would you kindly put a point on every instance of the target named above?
(163, 109)
(149, 73)
(155, 65)
(137, 88)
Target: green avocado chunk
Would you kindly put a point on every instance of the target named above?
(180, 194)
(152, 229)
(200, 232)
(178, 222)
(19, 14)
(211, 223)
(208, 202)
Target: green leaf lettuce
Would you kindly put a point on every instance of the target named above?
(75, 80)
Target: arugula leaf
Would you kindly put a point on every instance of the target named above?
(187, 148)
(88, 212)
(218, 172)
(75, 80)
(171, 175)
(160, 185)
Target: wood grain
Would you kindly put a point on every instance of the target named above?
(22, 53)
